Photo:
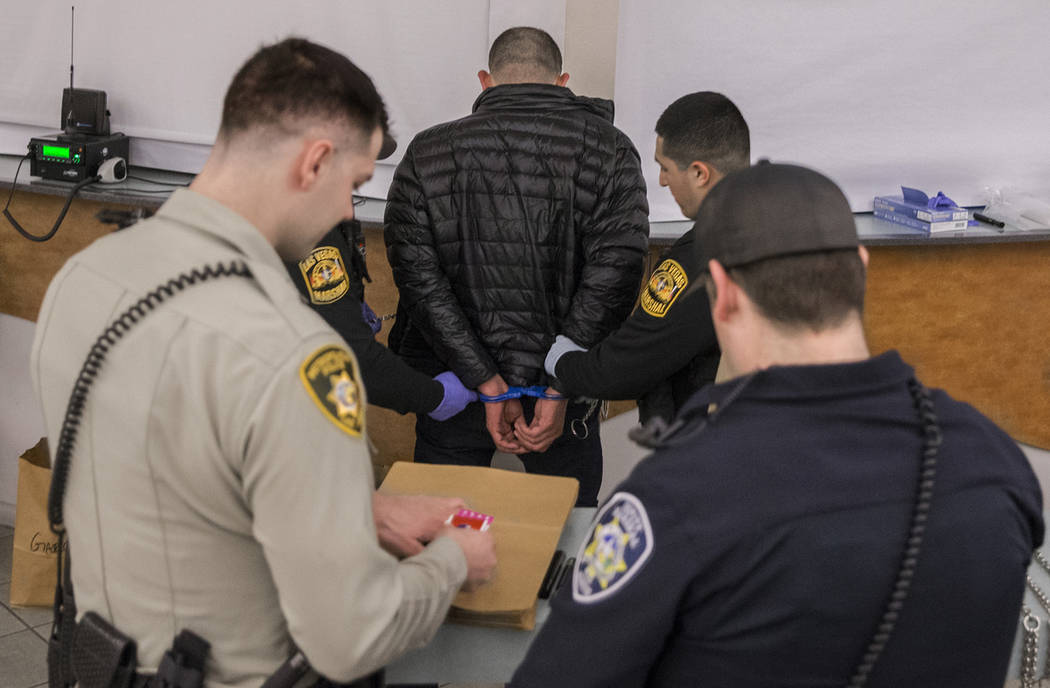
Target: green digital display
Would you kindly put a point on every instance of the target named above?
(56, 152)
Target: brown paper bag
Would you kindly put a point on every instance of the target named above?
(34, 562)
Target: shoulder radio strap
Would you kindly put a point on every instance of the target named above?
(60, 644)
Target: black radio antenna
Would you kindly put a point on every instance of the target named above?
(72, 17)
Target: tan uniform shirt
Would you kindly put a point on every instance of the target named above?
(220, 480)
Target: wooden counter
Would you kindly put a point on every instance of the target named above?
(967, 311)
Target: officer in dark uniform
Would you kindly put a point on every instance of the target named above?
(332, 279)
(666, 349)
(832, 522)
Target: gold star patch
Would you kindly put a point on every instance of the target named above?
(604, 555)
(620, 544)
(331, 379)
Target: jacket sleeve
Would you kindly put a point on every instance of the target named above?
(425, 291)
(614, 243)
(643, 352)
(307, 481)
(389, 381)
(392, 383)
(605, 632)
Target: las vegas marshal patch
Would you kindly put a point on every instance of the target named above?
(325, 275)
(668, 281)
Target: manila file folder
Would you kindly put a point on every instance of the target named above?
(529, 513)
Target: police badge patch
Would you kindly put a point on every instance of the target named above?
(331, 379)
(325, 275)
(620, 545)
(668, 281)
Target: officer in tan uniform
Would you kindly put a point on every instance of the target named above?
(221, 480)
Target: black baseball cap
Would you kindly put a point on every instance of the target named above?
(772, 210)
(388, 147)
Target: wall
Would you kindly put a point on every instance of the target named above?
(595, 41)
(166, 76)
(26, 269)
(876, 94)
(21, 424)
(945, 95)
(588, 28)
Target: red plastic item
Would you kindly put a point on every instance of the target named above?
(465, 518)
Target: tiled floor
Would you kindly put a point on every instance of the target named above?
(22, 631)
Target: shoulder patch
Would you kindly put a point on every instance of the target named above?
(620, 544)
(668, 281)
(325, 275)
(332, 381)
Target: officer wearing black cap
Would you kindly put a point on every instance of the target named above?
(666, 349)
(332, 279)
(832, 522)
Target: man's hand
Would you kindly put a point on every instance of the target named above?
(501, 416)
(480, 551)
(500, 419)
(548, 422)
(405, 523)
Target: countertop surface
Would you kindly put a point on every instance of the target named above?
(149, 188)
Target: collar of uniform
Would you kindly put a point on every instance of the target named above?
(543, 97)
(212, 217)
(809, 381)
(686, 239)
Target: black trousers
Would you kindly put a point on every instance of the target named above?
(463, 440)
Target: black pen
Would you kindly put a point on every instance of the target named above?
(981, 217)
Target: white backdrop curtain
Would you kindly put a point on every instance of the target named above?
(165, 65)
(949, 95)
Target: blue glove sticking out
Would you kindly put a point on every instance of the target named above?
(456, 396)
(374, 322)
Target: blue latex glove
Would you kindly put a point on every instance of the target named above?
(456, 396)
(561, 346)
(370, 318)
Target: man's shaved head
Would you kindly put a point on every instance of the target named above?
(525, 54)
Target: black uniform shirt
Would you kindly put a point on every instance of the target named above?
(662, 353)
(331, 281)
(761, 549)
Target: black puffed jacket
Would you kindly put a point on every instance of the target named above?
(524, 220)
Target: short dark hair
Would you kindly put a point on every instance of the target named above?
(530, 49)
(297, 79)
(705, 126)
(814, 291)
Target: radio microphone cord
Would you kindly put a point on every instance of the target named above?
(61, 216)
